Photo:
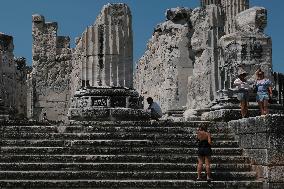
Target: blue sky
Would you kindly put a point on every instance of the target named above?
(73, 16)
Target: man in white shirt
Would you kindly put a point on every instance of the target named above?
(155, 109)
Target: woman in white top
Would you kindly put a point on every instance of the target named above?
(243, 86)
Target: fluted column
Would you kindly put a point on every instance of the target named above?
(231, 8)
(209, 2)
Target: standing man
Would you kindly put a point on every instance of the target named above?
(155, 109)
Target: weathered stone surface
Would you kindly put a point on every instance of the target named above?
(12, 80)
(252, 20)
(21, 86)
(262, 139)
(209, 2)
(102, 78)
(106, 104)
(50, 77)
(163, 70)
(203, 84)
(248, 48)
(231, 8)
(7, 71)
(104, 53)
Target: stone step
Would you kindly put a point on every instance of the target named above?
(174, 175)
(115, 143)
(112, 150)
(119, 166)
(128, 184)
(116, 135)
(174, 128)
(118, 159)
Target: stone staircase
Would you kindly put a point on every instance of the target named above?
(118, 155)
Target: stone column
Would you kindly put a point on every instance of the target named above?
(108, 48)
(209, 2)
(231, 8)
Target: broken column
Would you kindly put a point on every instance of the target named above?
(209, 2)
(231, 8)
(163, 70)
(203, 84)
(51, 71)
(104, 52)
(102, 77)
(7, 73)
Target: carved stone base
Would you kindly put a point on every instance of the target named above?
(102, 114)
(107, 103)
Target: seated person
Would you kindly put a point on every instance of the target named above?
(154, 109)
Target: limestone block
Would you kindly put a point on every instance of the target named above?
(51, 71)
(177, 14)
(37, 18)
(163, 70)
(252, 20)
(258, 156)
(276, 174)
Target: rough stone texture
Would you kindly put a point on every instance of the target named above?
(163, 70)
(262, 139)
(232, 112)
(102, 77)
(12, 79)
(231, 8)
(203, 84)
(7, 72)
(209, 2)
(279, 87)
(50, 77)
(248, 48)
(21, 86)
(253, 20)
(110, 103)
(104, 53)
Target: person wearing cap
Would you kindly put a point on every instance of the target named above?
(264, 91)
(243, 86)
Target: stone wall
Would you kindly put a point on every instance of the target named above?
(50, 77)
(21, 86)
(163, 70)
(104, 53)
(262, 138)
(7, 72)
(203, 84)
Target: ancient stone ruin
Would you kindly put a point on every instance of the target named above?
(87, 127)
(51, 74)
(13, 73)
(163, 70)
(102, 78)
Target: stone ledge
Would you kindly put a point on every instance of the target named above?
(101, 114)
(262, 140)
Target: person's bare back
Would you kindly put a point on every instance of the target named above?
(203, 135)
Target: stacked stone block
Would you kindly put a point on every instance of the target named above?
(163, 70)
(262, 140)
(52, 55)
